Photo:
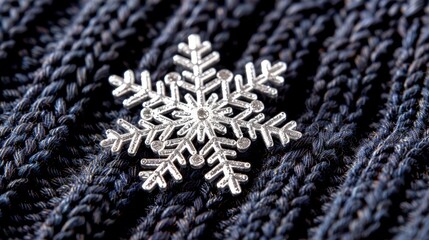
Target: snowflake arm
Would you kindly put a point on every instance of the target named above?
(225, 166)
(197, 58)
(170, 151)
(133, 134)
(267, 129)
(116, 140)
(250, 104)
(127, 84)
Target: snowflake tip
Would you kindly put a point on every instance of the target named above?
(197, 161)
(289, 132)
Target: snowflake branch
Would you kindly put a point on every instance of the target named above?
(269, 74)
(142, 92)
(127, 85)
(116, 141)
(173, 151)
(267, 129)
(244, 91)
(225, 166)
(196, 61)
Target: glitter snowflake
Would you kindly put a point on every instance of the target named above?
(175, 127)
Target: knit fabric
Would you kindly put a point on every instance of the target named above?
(357, 84)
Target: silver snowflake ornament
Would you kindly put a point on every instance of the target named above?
(214, 103)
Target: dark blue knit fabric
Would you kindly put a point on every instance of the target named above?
(357, 84)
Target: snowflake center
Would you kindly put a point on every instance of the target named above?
(203, 114)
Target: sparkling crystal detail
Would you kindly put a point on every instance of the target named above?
(172, 124)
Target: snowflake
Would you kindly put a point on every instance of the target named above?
(175, 127)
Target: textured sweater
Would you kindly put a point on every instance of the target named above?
(357, 84)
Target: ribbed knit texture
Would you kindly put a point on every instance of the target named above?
(357, 84)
